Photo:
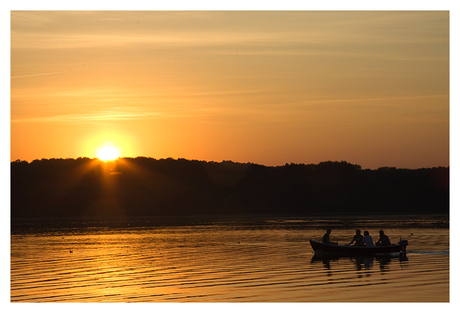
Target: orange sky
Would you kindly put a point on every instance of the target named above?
(370, 88)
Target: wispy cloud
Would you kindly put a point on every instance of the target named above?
(89, 117)
(39, 74)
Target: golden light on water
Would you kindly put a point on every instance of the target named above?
(108, 152)
(207, 264)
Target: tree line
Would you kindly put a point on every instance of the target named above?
(133, 187)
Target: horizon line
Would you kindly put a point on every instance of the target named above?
(223, 161)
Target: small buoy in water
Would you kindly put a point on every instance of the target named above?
(71, 251)
(411, 234)
(238, 242)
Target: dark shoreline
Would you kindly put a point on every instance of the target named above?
(131, 188)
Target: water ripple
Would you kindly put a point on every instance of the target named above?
(219, 264)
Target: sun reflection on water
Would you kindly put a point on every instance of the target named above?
(222, 263)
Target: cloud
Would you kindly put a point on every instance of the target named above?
(88, 117)
(33, 75)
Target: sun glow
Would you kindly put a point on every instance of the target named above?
(107, 153)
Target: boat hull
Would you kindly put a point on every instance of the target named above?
(329, 249)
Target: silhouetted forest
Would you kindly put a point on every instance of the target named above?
(133, 187)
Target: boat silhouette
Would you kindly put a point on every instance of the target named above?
(341, 250)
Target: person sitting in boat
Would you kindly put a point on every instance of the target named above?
(326, 238)
(383, 240)
(357, 239)
(368, 241)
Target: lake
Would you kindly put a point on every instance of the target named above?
(232, 259)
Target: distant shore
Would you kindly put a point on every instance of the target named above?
(127, 188)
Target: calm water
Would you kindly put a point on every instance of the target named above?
(228, 260)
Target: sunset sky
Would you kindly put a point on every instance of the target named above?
(369, 88)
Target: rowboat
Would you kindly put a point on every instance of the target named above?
(334, 249)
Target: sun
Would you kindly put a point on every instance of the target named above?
(107, 153)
